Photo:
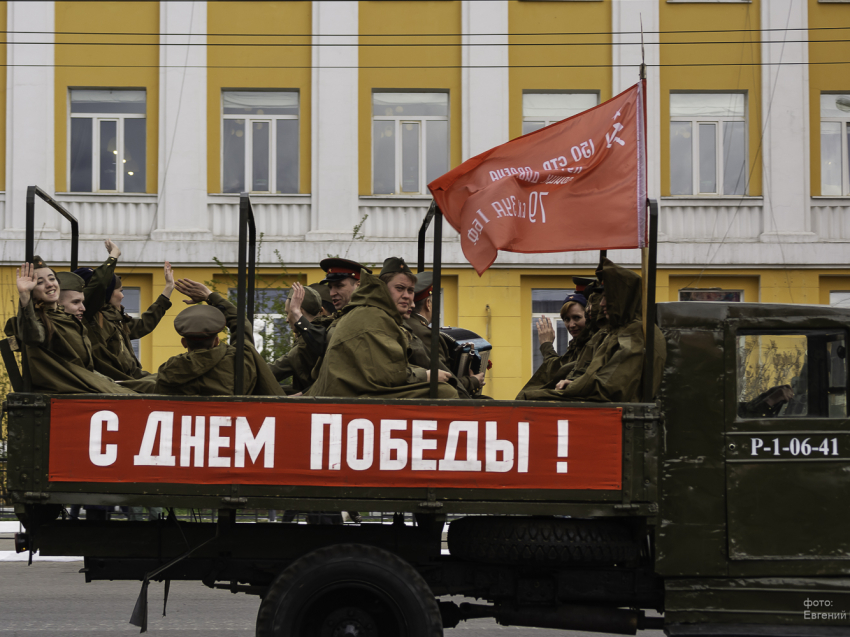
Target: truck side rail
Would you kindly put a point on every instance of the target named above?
(457, 456)
(245, 290)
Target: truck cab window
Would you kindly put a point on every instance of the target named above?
(782, 375)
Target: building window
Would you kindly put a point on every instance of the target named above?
(108, 151)
(708, 144)
(839, 299)
(259, 141)
(711, 294)
(813, 365)
(272, 334)
(548, 302)
(410, 141)
(834, 145)
(133, 306)
(542, 109)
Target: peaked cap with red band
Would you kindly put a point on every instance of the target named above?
(339, 269)
(424, 286)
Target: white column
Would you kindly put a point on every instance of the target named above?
(335, 156)
(785, 115)
(29, 116)
(485, 90)
(626, 16)
(182, 161)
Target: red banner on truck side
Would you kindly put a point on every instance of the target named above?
(351, 445)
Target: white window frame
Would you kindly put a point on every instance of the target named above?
(723, 290)
(96, 119)
(718, 145)
(845, 158)
(839, 298)
(555, 319)
(249, 141)
(547, 121)
(136, 343)
(423, 150)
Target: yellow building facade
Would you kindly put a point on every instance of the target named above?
(336, 115)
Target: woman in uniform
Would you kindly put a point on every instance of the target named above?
(58, 352)
(110, 328)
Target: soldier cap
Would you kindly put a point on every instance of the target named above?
(38, 262)
(395, 265)
(578, 297)
(424, 286)
(338, 269)
(581, 282)
(70, 282)
(199, 321)
(312, 303)
(325, 294)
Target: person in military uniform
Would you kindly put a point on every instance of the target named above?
(58, 351)
(110, 328)
(419, 324)
(207, 367)
(342, 278)
(71, 297)
(303, 304)
(325, 294)
(576, 313)
(615, 369)
(367, 354)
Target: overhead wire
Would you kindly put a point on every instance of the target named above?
(749, 179)
(408, 35)
(420, 66)
(413, 44)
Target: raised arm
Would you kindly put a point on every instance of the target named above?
(95, 291)
(148, 321)
(198, 292)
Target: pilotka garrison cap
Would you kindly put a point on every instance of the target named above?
(338, 269)
(423, 287)
(325, 294)
(312, 303)
(38, 262)
(199, 321)
(394, 265)
(70, 282)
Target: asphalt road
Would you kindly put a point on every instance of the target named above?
(52, 599)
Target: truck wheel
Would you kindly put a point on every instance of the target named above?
(540, 540)
(349, 589)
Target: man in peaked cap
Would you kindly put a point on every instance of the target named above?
(419, 323)
(342, 277)
(367, 353)
(71, 296)
(207, 367)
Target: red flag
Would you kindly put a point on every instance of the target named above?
(579, 184)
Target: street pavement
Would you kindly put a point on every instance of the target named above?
(51, 599)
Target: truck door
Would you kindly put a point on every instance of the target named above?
(787, 444)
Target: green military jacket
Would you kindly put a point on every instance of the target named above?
(210, 372)
(575, 361)
(615, 370)
(420, 355)
(113, 349)
(297, 363)
(367, 351)
(64, 363)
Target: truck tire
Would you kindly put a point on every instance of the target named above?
(540, 540)
(349, 589)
